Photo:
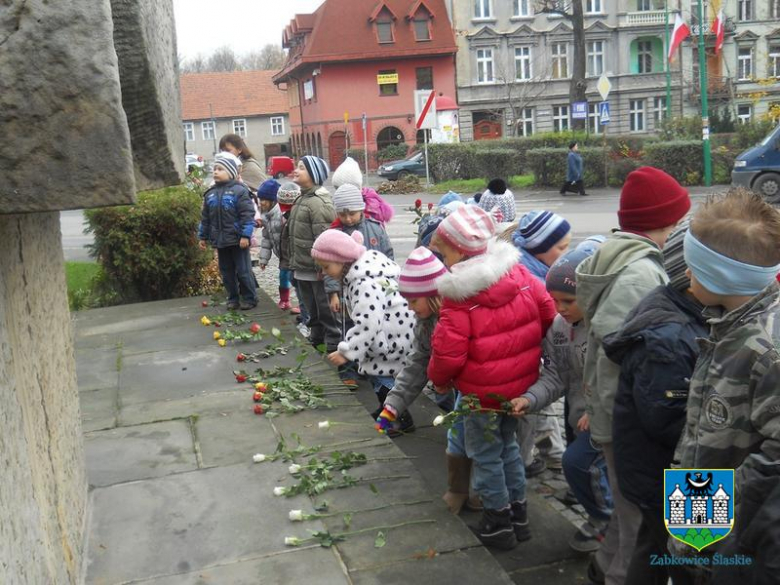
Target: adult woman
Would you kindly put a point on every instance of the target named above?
(251, 171)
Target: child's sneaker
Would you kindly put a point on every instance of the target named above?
(537, 467)
(520, 520)
(495, 529)
(588, 537)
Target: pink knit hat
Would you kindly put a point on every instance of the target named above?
(336, 246)
(467, 229)
(419, 274)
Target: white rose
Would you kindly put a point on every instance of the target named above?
(292, 541)
(438, 420)
(296, 515)
(258, 458)
(280, 491)
(324, 424)
(294, 468)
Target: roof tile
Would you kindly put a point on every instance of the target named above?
(231, 94)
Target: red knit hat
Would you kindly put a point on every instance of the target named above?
(650, 200)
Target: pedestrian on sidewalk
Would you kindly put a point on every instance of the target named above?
(487, 344)
(227, 223)
(252, 174)
(272, 234)
(574, 174)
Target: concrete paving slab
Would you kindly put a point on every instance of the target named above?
(97, 368)
(200, 404)
(233, 437)
(98, 409)
(175, 336)
(139, 452)
(568, 572)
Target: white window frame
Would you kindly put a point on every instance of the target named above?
(189, 131)
(522, 9)
(208, 130)
(277, 126)
(560, 116)
(527, 123)
(483, 10)
(774, 9)
(659, 110)
(485, 66)
(594, 118)
(524, 63)
(774, 60)
(240, 127)
(746, 10)
(744, 64)
(559, 57)
(636, 115)
(744, 118)
(594, 6)
(644, 57)
(644, 5)
(594, 57)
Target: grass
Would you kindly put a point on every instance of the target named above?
(470, 186)
(79, 276)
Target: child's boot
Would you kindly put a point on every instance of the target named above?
(495, 529)
(458, 481)
(284, 299)
(520, 520)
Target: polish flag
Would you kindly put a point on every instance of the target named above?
(680, 33)
(717, 28)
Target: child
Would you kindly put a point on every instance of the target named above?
(733, 417)
(564, 350)
(272, 235)
(227, 223)
(348, 173)
(497, 195)
(488, 342)
(311, 215)
(286, 195)
(382, 333)
(573, 181)
(609, 285)
(656, 349)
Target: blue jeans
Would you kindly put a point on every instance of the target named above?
(285, 278)
(378, 381)
(586, 472)
(456, 439)
(235, 266)
(491, 444)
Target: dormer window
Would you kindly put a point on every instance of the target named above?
(422, 27)
(384, 23)
(384, 31)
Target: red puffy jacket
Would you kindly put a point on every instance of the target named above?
(493, 318)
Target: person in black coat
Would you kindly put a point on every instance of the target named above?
(657, 350)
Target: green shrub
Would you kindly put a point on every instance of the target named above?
(447, 162)
(722, 164)
(496, 163)
(392, 152)
(748, 135)
(549, 166)
(149, 251)
(681, 128)
(682, 159)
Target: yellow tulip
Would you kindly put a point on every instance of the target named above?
(222, 343)
(205, 321)
(217, 335)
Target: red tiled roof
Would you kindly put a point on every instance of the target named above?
(342, 31)
(237, 93)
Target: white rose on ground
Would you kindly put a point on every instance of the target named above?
(296, 515)
(280, 491)
(292, 541)
(258, 457)
(324, 424)
(294, 468)
(438, 420)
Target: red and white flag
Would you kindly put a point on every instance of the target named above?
(679, 34)
(717, 29)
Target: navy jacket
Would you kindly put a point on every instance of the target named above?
(656, 349)
(228, 215)
(573, 167)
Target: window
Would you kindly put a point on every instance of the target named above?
(744, 63)
(309, 89)
(560, 60)
(593, 7)
(239, 127)
(636, 115)
(526, 122)
(595, 50)
(389, 136)
(744, 113)
(384, 29)
(523, 70)
(659, 111)
(422, 29)
(774, 8)
(485, 66)
(207, 130)
(424, 77)
(189, 131)
(644, 52)
(388, 88)
(744, 9)
(642, 5)
(277, 126)
(774, 60)
(482, 9)
(522, 8)
(560, 118)
(593, 119)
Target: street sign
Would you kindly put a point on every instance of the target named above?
(604, 113)
(425, 109)
(604, 86)
(579, 110)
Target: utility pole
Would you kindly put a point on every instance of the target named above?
(705, 117)
(668, 64)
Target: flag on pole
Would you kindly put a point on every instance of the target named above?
(717, 29)
(679, 34)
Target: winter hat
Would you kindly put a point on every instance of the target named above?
(592, 242)
(468, 230)
(348, 198)
(348, 173)
(419, 274)
(562, 275)
(449, 197)
(229, 162)
(541, 230)
(428, 226)
(336, 246)
(674, 257)
(317, 168)
(268, 190)
(651, 199)
(288, 193)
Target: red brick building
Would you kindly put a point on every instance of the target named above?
(363, 56)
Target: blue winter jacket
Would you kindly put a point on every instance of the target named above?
(228, 215)
(574, 167)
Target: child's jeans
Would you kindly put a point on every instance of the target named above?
(378, 381)
(456, 434)
(235, 265)
(285, 278)
(491, 444)
(586, 472)
(301, 305)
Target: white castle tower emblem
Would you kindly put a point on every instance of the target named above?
(706, 510)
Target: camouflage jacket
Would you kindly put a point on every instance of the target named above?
(733, 417)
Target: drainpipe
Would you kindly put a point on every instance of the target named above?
(300, 101)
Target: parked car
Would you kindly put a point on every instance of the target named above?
(280, 166)
(758, 168)
(411, 165)
(193, 161)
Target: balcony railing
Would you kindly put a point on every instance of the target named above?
(718, 87)
(645, 17)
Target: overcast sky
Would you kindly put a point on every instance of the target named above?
(245, 25)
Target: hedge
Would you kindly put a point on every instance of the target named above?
(683, 159)
(549, 166)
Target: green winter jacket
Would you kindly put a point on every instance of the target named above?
(609, 285)
(311, 214)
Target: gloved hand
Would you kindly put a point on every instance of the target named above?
(385, 420)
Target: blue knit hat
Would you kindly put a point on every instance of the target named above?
(317, 168)
(562, 275)
(268, 190)
(449, 197)
(541, 230)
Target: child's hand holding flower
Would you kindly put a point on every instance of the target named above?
(337, 359)
(520, 406)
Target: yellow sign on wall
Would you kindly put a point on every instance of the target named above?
(387, 78)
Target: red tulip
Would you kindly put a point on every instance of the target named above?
(254, 328)
(430, 206)
(240, 357)
(257, 396)
(259, 409)
(204, 304)
(240, 378)
(418, 203)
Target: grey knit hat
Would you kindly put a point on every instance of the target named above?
(348, 198)
(674, 259)
(288, 193)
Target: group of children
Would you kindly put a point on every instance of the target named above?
(663, 338)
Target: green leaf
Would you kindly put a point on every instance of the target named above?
(347, 520)
(380, 540)
(322, 348)
(373, 488)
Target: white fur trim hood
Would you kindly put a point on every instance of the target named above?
(480, 272)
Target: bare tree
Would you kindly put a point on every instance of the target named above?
(196, 64)
(224, 59)
(520, 93)
(269, 57)
(572, 11)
